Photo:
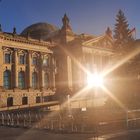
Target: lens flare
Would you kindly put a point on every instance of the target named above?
(94, 80)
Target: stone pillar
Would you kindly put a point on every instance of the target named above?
(42, 78)
(109, 60)
(52, 78)
(41, 72)
(29, 73)
(92, 61)
(101, 62)
(69, 72)
(16, 68)
(95, 62)
(1, 70)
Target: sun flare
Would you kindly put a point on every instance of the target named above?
(94, 80)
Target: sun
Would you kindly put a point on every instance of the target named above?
(94, 80)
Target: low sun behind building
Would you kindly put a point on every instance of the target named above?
(45, 62)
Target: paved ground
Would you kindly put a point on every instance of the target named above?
(123, 135)
(7, 133)
(29, 134)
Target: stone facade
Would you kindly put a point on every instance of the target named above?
(14, 48)
(55, 64)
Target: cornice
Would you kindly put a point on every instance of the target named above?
(21, 39)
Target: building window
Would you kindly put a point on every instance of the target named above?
(24, 100)
(9, 101)
(34, 61)
(46, 62)
(48, 98)
(34, 80)
(21, 59)
(38, 99)
(7, 79)
(7, 58)
(46, 80)
(21, 80)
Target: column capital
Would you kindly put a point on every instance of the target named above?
(15, 85)
(29, 73)
(29, 51)
(15, 49)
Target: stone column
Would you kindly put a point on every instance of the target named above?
(92, 61)
(41, 72)
(69, 72)
(101, 62)
(52, 72)
(29, 73)
(16, 68)
(42, 78)
(109, 60)
(1, 70)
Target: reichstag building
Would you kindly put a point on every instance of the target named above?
(44, 62)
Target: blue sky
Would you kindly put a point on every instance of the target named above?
(86, 16)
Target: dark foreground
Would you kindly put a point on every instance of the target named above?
(132, 135)
(8, 133)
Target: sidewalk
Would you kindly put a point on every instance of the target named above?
(117, 134)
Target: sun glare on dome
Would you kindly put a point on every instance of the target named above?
(94, 80)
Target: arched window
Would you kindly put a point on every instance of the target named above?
(46, 61)
(34, 61)
(9, 101)
(22, 59)
(34, 80)
(38, 99)
(7, 58)
(21, 80)
(24, 100)
(46, 80)
(7, 79)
